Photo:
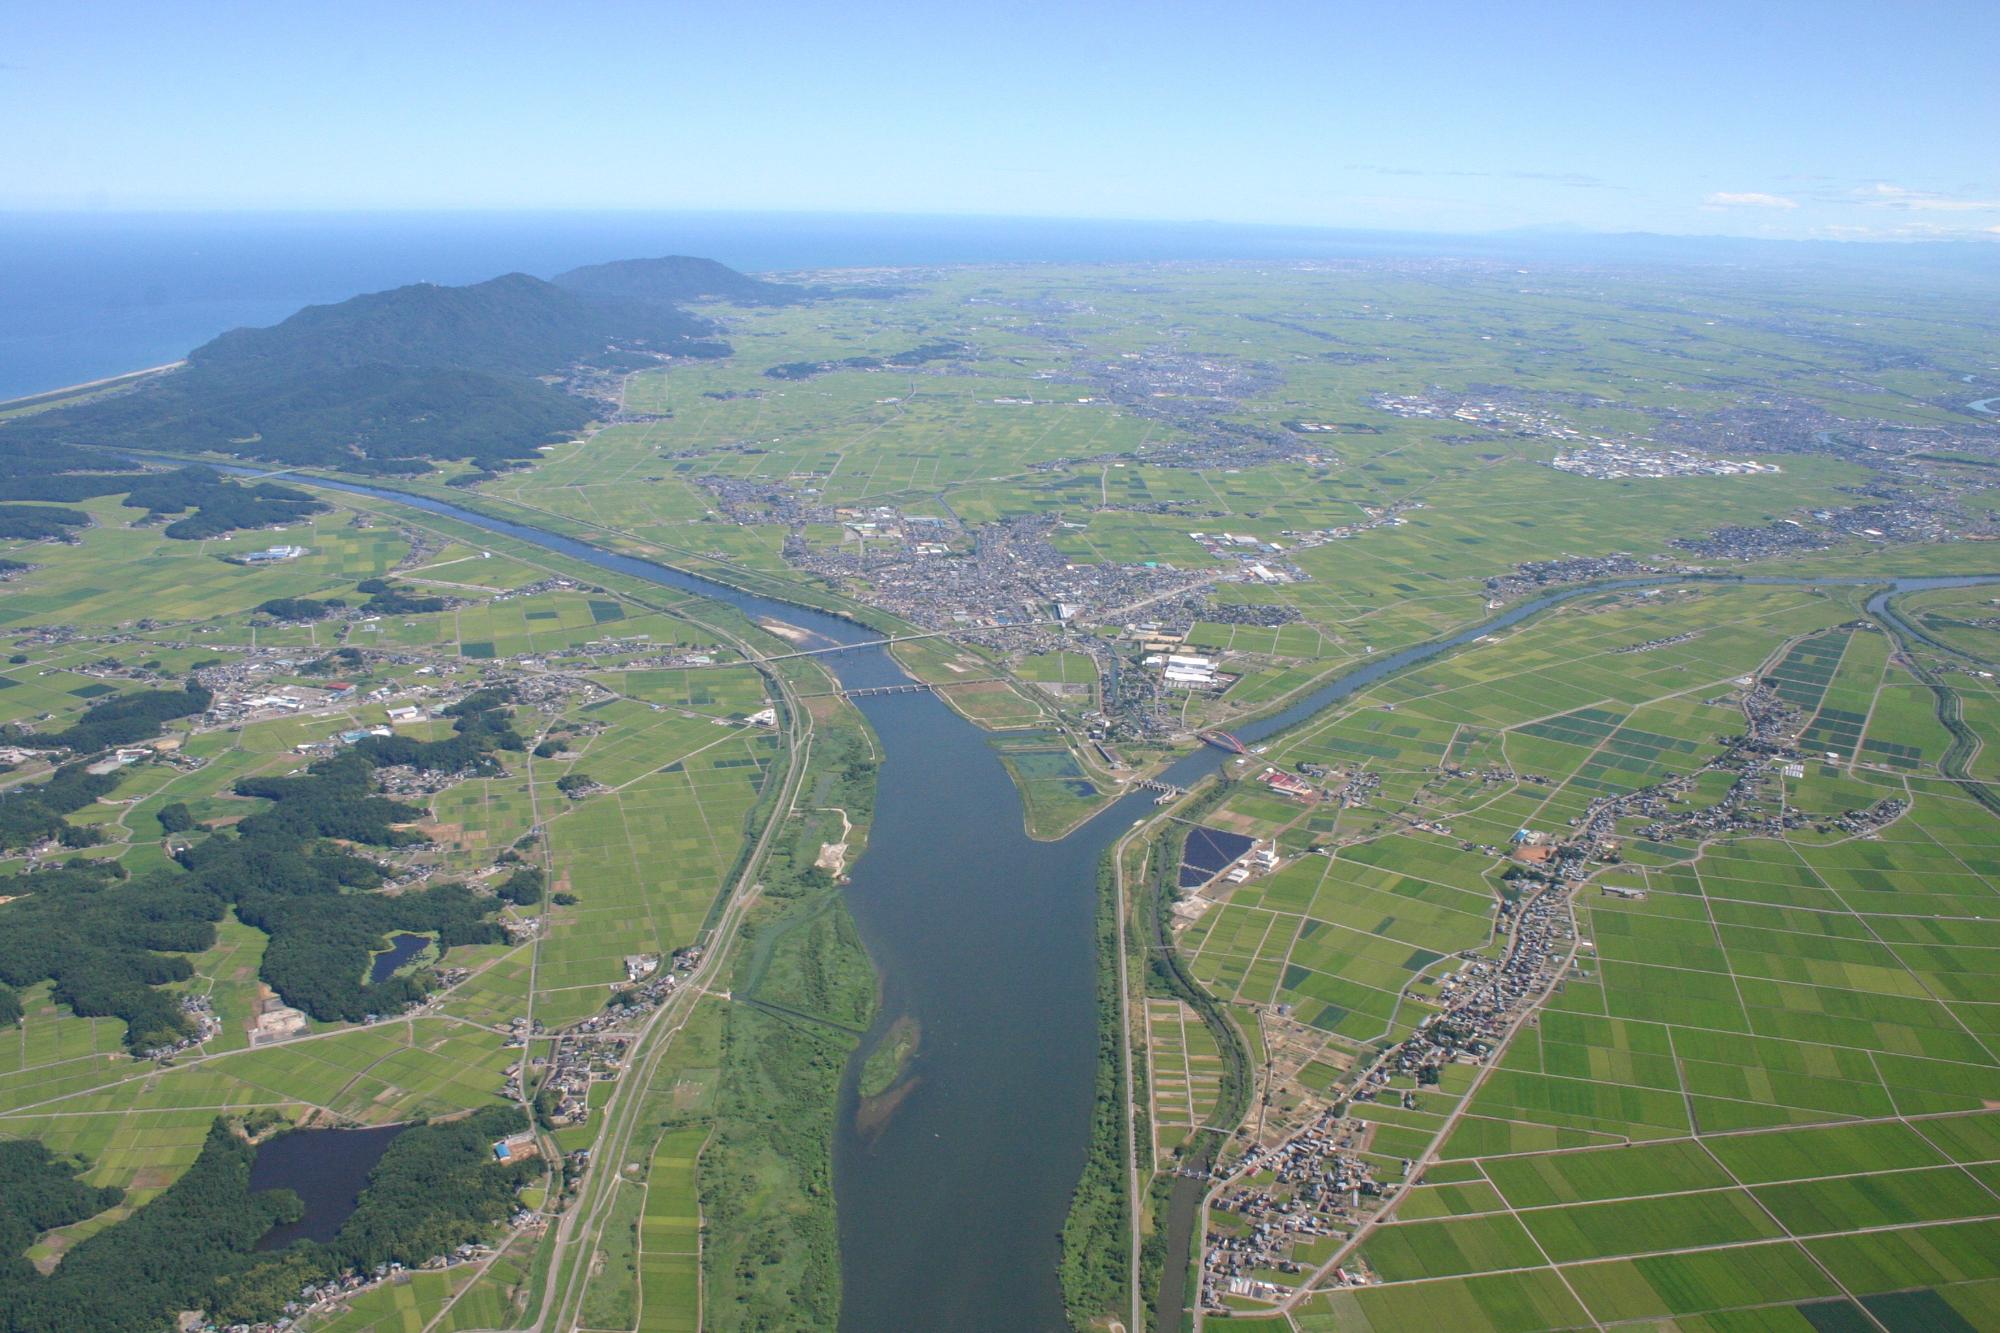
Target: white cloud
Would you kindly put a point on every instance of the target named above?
(1910, 230)
(1747, 199)
(1884, 195)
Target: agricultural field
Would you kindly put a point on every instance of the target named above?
(670, 1237)
(1764, 1045)
(1073, 427)
(634, 860)
(1186, 1073)
(1392, 484)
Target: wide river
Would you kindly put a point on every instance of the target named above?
(950, 1211)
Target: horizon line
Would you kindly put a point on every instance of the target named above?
(1554, 231)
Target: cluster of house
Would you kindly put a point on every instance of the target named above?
(1491, 776)
(1361, 787)
(200, 1013)
(569, 1070)
(1289, 784)
(1767, 744)
(1918, 516)
(1867, 820)
(1483, 997)
(1536, 575)
(1480, 1003)
(556, 584)
(1318, 1185)
(1261, 560)
(1613, 460)
(593, 1049)
(1187, 671)
(1269, 615)
(1652, 645)
(323, 1297)
(668, 660)
(270, 555)
(1491, 412)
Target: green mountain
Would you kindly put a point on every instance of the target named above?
(674, 279)
(391, 381)
(509, 325)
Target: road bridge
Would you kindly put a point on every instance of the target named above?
(905, 687)
(878, 643)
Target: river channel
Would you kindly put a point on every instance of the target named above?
(949, 1210)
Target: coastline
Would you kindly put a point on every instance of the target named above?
(56, 395)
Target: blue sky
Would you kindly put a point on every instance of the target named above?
(1765, 118)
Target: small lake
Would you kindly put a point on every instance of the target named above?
(403, 949)
(326, 1168)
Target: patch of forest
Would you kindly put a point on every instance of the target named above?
(220, 505)
(34, 811)
(300, 610)
(35, 467)
(31, 523)
(119, 720)
(387, 599)
(108, 942)
(193, 1246)
(915, 356)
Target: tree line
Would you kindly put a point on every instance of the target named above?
(119, 720)
(34, 811)
(219, 504)
(27, 523)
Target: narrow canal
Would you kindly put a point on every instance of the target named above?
(950, 1207)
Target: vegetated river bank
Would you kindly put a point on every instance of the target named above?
(950, 1205)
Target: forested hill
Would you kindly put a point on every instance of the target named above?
(391, 381)
(514, 325)
(674, 279)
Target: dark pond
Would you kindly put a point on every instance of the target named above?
(326, 1168)
(402, 949)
